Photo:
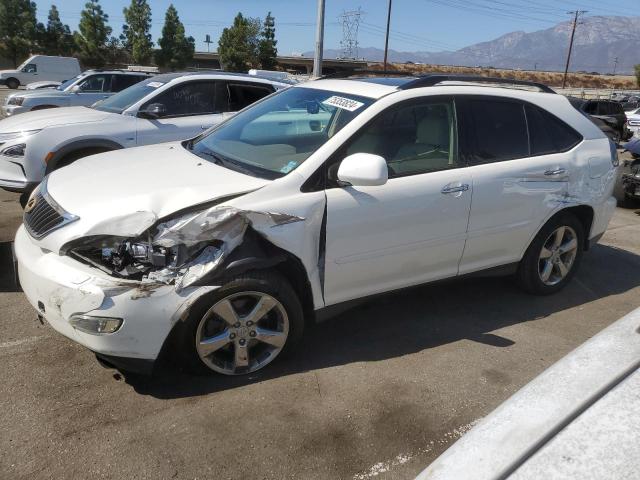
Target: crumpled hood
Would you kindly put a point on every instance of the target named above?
(125, 191)
(52, 117)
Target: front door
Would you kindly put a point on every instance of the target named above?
(412, 229)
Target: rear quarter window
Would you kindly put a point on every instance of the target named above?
(548, 134)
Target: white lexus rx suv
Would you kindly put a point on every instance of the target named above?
(218, 249)
(163, 108)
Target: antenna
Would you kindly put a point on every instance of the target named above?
(350, 26)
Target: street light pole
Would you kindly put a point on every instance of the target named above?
(386, 40)
(317, 60)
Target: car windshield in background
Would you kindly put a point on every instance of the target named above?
(276, 135)
(119, 102)
(67, 83)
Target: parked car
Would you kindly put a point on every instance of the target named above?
(608, 115)
(159, 109)
(580, 419)
(83, 90)
(40, 67)
(220, 247)
(43, 84)
(633, 121)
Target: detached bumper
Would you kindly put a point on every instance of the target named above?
(59, 287)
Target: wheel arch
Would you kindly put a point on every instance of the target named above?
(584, 213)
(78, 146)
(44, 107)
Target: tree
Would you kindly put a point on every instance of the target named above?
(637, 70)
(17, 29)
(238, 44)
(176, 50)
(56, 39)
(93, 35)
(267, 51)
(136, 31)
(115, 53)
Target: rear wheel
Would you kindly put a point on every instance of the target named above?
(553, 257)
(12, 83)
(243, 326)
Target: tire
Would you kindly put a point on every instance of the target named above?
(242, 293)
(536, 264)
(12, 83)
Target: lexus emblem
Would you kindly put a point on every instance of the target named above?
(30, 204)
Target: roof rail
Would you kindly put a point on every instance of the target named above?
(356, 71)
(433, 79)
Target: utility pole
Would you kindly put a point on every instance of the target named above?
(576, 14)
(615, 65)
(386, 39)
(317, 60)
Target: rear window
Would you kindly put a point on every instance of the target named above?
(241, 95)
(548, 134)
(500, 131)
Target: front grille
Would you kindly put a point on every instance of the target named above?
(42, 214)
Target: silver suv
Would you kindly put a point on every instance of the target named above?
(83, 90)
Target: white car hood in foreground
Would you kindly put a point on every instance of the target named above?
(52, 117)
(158, 180)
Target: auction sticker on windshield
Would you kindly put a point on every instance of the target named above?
(344, 103)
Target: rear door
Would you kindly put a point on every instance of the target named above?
(520, 173)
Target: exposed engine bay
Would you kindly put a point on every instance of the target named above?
(180, 250)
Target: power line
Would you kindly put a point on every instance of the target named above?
(576, 14)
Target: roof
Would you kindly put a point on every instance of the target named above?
(167, 77)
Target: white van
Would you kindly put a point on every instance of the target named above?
(39, 68)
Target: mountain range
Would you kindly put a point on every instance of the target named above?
(599, 40)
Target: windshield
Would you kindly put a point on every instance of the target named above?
(119, 102)
(276, 135)
(67, 83)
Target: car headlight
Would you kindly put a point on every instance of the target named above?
(634, 123)
(16, 151)
(5, 137)
(15, 101)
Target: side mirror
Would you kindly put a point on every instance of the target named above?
(363, 170)
(155, 110)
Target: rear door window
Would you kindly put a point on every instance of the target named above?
(120, 82)
(497, 129)
(236, 96)
(548, 134)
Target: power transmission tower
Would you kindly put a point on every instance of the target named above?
(576, 14)
(350, 26)
(615, 65)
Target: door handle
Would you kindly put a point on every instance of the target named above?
(454, 188)
(556, 171)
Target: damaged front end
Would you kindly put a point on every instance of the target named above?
(185, 250)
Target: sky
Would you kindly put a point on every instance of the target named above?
(416, 25)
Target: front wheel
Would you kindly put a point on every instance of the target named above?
(12, 83)
(553, 256)
(243, 326)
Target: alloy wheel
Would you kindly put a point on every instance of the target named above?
(242, 333)
(557, 255)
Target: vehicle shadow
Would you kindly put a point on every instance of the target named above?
(420, 318)
(8, 275)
